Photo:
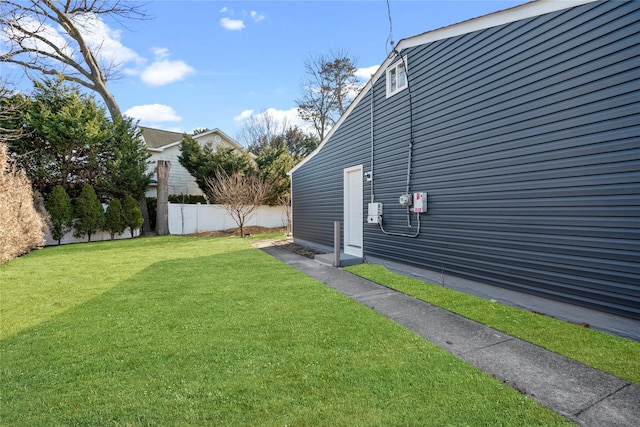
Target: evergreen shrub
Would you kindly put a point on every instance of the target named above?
(114, 219)
(89, 213)
(60, 212)
(132, 215)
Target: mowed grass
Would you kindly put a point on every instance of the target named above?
(609, 353)
(210, 331)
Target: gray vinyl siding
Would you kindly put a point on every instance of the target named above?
(526, 138)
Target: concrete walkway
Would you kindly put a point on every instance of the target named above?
(582, 394)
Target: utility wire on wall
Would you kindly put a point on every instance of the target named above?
(389, 43)
(390, 50)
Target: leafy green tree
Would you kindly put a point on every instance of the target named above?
(299, 144)
(68, 140)
(114, 219)
(89, 213)
(273, 165)
(131, 214)
(126, 163)
(60, 212)
(204, 162)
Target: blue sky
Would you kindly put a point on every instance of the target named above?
(215, 63)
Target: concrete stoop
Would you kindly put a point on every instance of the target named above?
(345, 259)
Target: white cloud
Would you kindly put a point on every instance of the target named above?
(153, 113)
(160, 52)
(44, 30)
(105, 41)
(243, 116)
(257, 17)
(366, 73)
(232, 24)
(289, 117)
(164, 71)
(102, 39)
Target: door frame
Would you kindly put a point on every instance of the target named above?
(349, 249)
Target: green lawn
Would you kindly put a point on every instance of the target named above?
(210, 331)
(609, 353)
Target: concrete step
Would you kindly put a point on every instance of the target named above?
(345, 259)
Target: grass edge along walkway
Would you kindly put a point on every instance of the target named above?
(200, 331)
(609, 353)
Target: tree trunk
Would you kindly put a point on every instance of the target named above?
(162, 214)
(144, 210)
(109, 100)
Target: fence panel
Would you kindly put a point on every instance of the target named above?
(97, 237)
(187, 219)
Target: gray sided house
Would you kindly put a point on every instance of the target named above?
(523, 129)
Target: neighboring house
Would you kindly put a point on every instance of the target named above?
(523, 129)
(165, 145)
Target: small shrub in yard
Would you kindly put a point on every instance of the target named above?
(132, 215)
(114, 220)
(60, 211)
(89, 213)
(21, 226)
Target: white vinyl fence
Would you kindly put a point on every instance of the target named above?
(187, 219)
(99, 236)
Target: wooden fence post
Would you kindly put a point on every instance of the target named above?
(162, 212)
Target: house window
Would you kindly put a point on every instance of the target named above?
(397, 77)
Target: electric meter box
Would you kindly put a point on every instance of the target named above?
(374, 214)
(420, 202)
(405, 200)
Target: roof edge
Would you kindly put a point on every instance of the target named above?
(493, 19)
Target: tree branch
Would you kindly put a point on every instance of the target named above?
(16, 18)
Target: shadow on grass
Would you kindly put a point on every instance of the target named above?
(48, 282)
(240, 338)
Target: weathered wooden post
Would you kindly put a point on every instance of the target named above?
(336, 243)
(162, 212)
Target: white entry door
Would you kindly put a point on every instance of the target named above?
(353, 214)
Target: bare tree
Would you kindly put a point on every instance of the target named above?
(240, 194)
(329, 88)
(9, 114)
(284, 201)
(53, 37)
(262, 131)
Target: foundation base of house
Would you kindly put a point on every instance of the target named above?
(610, 323)
(345, 259)
(606, 322)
